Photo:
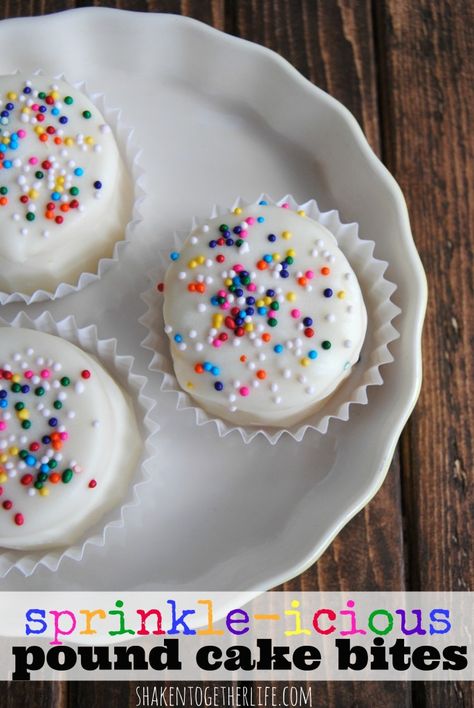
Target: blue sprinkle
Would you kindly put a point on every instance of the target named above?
(30, 460)
(267, 258)
(263, 203)
(178, 338)
(174, 255)
(3, 394)
(284, 274)
(56, 196)
(260, 219)
(215, 371)
(207, 366)
(328, 292)
(313, 354)
(3, 403)
(78, 171)
(55, 111)
(262, 310)
(7, 164)
(44, 468)
(218, 385)
(278, 348)
(63, 120)
(272, 237)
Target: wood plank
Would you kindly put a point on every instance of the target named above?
(427, 100)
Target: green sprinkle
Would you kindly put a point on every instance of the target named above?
(22, 454)
(326, 344)
(65, 381)
(275, 306)
(69, 100)
(86, 114)
(58, 405)
(3, 190)
(42, 476)
(39, 391)
(39, 174)
(74, 191)
(30, 216)
(52, 464)
(67, 475)
(39, 485)
(26, 424)
(16, 388)
(19, 406)
(272, 322)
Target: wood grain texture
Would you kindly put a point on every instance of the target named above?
(426, 52)
(405, 69)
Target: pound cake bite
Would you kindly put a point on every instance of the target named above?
(65, 197)
(264, 315)
(69, 441)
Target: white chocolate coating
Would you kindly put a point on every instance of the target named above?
(48, 151)
(101, 444)
(275, 363)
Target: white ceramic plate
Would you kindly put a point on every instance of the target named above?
(218, 117)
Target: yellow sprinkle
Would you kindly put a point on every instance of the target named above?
(291, 297)
(305, 361)
(3, 458)
(33, 194)
(237, 210)
(217, 321)
(276, 257)
(5, 141)
(39, 130)
(25, 109)
(301, 212)
(89, 140)
(228, 281)
(24, 414)
(69, 141)
(291, 252)
(13, 450)
(267, 300)
(16, 378)
(192, 264)
(260, 303)
(248, 327)
(12, 96)
(55, 95)
(190, 384)
(201, 260)
(44, 492)
(60, 180)
(3, 477)
(341, 294)
(286, 235)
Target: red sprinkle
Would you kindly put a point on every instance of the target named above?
(27, 479)
(86, 374)
(7, 504)
(19, 519)
(92, 484)
(160, 287)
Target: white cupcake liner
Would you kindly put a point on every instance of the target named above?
(376, 290)
(120, 368)
(130, 154)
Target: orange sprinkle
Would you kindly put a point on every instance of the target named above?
(266, 337)
(4, 201)
(44, 138)
(192, 287)
(303, 281)
(325, 270)
(54, 477)
(64, 207)
(49, 214)
(57, 140)
(199, 369)
(261, 374)
(262, 265)
(201, 288)
(243, 358)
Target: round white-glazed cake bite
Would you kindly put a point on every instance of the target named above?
(264, 315)
(65, 196)
(69, 441)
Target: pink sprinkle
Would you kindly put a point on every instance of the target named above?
(222, 293)
(272, 313)
(45, 374)
(309, 274)
(33, 160)
(28, 374)
(250, 220)
(21, 134)
(3, 425)
(244, 391)
(217, 343)
(285, 205)
(63, 436)
(251, 287)
(238, 267)
(295, 313)
(35, 107)
(225, 305)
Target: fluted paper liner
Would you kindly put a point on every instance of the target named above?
(130, 153)
(120, 368)
(376, 291)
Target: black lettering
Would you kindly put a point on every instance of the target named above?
(27, 659)
(348, 657)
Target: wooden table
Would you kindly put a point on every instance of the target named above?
(405, 70)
